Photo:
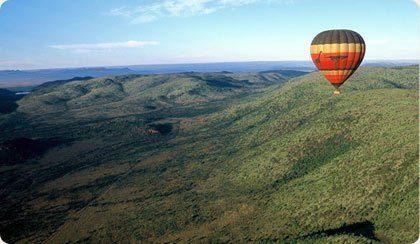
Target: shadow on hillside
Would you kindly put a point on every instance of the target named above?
(163, 129)
(18, 150)
(365, 229)
(8, 101)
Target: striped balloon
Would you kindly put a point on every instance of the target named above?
(337, 54)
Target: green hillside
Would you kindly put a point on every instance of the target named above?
(217, 157)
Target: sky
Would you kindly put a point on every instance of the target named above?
(38, 34)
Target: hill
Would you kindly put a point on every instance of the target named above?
(218, 157)
(88, 98)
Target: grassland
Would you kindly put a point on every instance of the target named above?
(214, 157)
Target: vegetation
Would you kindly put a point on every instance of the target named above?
(215, 157)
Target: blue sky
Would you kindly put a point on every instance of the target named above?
(74, 33)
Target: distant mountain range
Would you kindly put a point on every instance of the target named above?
(31, 78)
(26, 79)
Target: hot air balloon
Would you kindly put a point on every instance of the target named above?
(337, 54)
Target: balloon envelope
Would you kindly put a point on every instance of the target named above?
(337, 54)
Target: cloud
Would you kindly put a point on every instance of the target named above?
(417, 2)
(121, 11)
(2, 2)
(104, 46)
(180, 8)
(143, 19)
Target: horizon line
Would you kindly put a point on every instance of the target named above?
(189, 63)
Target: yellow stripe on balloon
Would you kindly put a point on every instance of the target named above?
(337, 72)
(336, 48)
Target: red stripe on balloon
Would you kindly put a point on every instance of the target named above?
(337, 61)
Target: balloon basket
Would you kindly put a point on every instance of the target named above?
(337, 92)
